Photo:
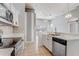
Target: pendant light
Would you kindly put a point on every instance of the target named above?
(68, 15)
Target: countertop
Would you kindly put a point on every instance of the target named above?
(66, 37)
(13, 36)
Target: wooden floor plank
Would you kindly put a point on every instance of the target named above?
(32, 49)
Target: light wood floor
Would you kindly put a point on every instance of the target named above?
(32, 49)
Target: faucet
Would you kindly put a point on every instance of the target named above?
(55, 31)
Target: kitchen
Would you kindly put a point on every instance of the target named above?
(53, 27)
(14, 28)
(59, 35)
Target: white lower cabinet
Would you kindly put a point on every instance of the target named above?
(50, 43)
(56, 48)
(47, 42)
(61, 47)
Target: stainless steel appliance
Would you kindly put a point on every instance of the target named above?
(59, 47)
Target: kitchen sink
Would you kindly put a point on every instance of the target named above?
(56, 34)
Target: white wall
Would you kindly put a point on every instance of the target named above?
(60, 23)
(24, 25)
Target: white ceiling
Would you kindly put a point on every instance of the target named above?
(50, 10)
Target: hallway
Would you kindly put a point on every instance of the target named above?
(35, 48)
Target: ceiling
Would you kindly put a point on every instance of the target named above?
(51, 10)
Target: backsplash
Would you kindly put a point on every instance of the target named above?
(6, 31)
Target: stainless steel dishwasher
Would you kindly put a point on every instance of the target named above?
(60, 47)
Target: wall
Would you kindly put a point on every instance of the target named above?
(8, 30)
(25, 22)
(60, 23)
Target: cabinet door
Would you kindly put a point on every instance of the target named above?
(44, 38)
(50, 44)
(46, 41)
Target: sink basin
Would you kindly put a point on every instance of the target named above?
(57, 34)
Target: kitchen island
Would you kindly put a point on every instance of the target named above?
(69, 43)
(63, 45)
